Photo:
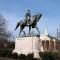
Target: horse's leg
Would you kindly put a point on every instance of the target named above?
(24, 33)
(38, 30)
(29, 29)
(21, 29)
(20, 32)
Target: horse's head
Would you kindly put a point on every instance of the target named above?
(38, 16)
(19, 23)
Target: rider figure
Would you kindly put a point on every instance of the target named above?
(27, 17)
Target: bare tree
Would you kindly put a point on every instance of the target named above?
(4, 34)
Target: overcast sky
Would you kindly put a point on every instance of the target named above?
(14, 10)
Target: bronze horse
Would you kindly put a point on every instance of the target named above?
(33, 23)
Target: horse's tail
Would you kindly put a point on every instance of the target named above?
(17, 25)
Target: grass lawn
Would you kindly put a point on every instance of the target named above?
(5, 58)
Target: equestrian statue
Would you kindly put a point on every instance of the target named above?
(30, 21)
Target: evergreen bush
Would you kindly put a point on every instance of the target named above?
(29, 57)
(4, 52)
(15, 56)
(47, 55)
(22, 57)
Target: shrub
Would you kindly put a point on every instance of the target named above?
(57, 55)
(22, 57)
(29, 57)
(15, 56)
(9, 55)
(47, 55)
(4, 52)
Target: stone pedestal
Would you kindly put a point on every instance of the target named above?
(26, 45)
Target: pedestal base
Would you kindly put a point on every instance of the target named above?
(26, 45)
